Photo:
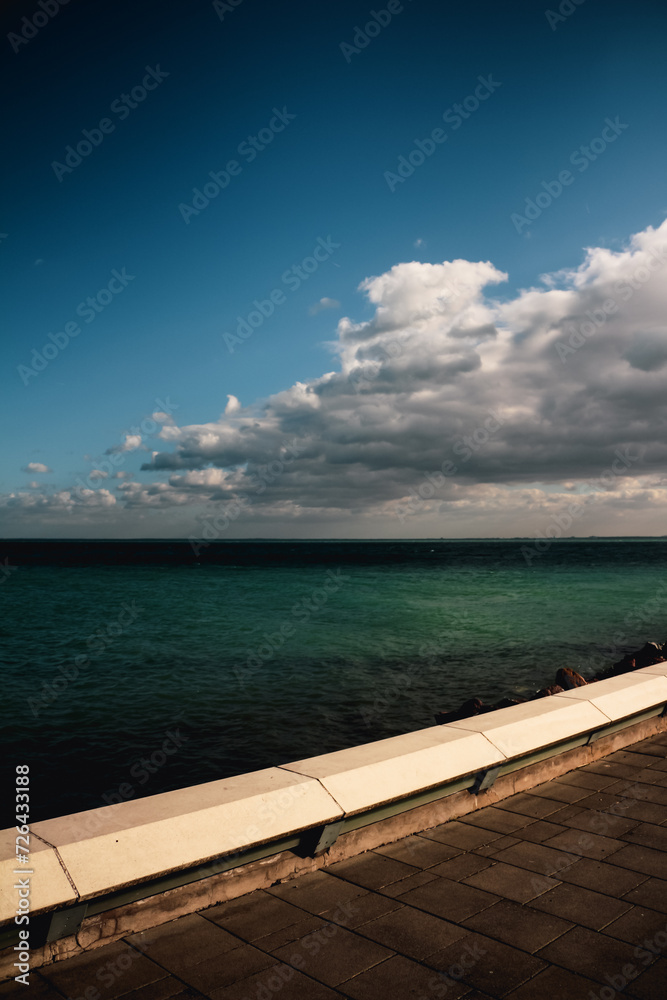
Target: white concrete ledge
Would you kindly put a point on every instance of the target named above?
(367, 776)
(135, 841)
(108, 849)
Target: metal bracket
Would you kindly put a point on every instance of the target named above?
(66, 922)
(321, 838)
(484, 780)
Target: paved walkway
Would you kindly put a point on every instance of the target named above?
(555, 894)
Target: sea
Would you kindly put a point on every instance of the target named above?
(133, 668)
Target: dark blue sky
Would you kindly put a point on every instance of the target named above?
(325, 175)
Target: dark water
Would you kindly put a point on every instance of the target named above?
(248, 664)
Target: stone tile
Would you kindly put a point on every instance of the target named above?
(419, 851)
(581, 906)
(316, 891)
(652, 747)
(538, 832)
(652, 775)
(651, 893)
(589, 953)
(660, 762)
(651, 984)
(509, 882)
(584, 844)
(615, 770)
(115, 970)
(166, 989)
(463, 835)
(488, 850)
(587, 779)
(405, 884)
(38, 989)
(606, 824)
(252, 916)
(284, 935)
(642, 859)
(402, 978)
(184, 942)
(281, 981)
(487, 965)
(601, 877)
(411, 932)
(641, 792)
(332, 954)
(632, 757)
(537, 857)
(648, 835)
(451, 900)
(372, 870)
(638, 925)
(518, 925)
(527, 804)
(361, 909)
(555, 984)
(496, 819)
(225, 969)
(560, 791)
(459, 868)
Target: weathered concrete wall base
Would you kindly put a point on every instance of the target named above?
(111, 925)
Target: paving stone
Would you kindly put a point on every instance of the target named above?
(254, 915)
(496, 819)
(487, 965)
(641, 792)
(114, 970)
(463, 835)
(616, 770)
(652, 746)
(451, 900)
(560, 791)
(411, 932)
(537, 857)
(372, 870)
(642, 859)
(225, 969)
(650, 985)
(587, 779)
(488, 850)
(601, 877)
(281, 981)
(521, 926)
(651, 893)
(400, 977)
(581, 906)
(332, 955)
(591, 954)
(184, 942)
(405, 884)
(535, 806)
(419, 851)
(584, 844)
(651, 775)
(166, 989)
(594, 821)
(555, 984)
(459, 868)
(361, 909)
(648, 835)
(639, 925)
(632, 757)
(660, 762)
(284, 935)
(509, 882)
(316, 891)
(538, 832)
(38, 989)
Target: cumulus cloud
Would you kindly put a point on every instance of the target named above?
(36, 467)
(98, 474)
(131, 443)
(324, 303)
(470, 411)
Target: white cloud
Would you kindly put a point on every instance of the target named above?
(98, 474)
(233, 406)
(36, 467)
(324, 303)
(131, 443)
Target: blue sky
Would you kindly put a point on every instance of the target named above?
(322, 177)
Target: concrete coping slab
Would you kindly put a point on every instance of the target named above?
(48, 885)
(534, 725)
(108, 848)
(363, 777)
(626, 694)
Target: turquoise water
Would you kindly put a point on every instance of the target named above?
(249, 666)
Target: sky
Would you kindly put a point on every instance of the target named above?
(333, 270)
